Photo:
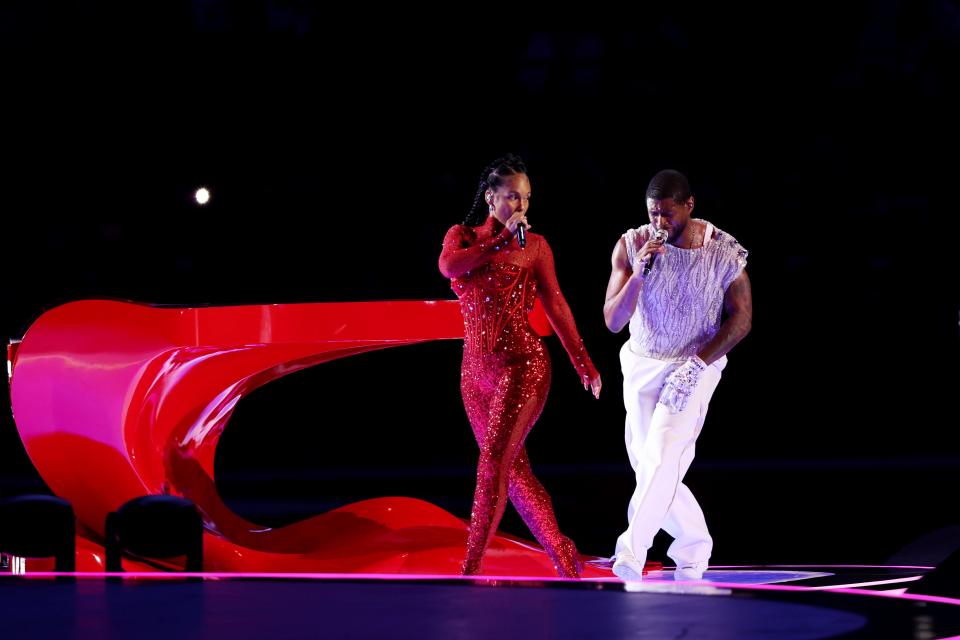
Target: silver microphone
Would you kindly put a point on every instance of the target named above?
(660, 235)
(522, 235)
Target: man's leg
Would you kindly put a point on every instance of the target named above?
(685, 522)
(642, 380)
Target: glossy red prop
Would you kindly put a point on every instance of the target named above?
(115, 400)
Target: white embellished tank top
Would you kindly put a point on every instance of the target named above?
(681, 302)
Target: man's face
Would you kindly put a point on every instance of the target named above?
(669, 215)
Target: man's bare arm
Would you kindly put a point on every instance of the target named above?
(738, 304)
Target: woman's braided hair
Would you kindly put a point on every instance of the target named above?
(493, 176)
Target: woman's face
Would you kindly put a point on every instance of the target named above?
(510, 197)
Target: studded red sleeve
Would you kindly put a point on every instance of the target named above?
(559, 314)
(461, 253)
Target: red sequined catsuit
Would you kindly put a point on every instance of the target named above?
(506, 375)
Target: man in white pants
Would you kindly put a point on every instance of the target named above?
(673, 280)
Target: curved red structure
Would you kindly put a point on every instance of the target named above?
(115, 400)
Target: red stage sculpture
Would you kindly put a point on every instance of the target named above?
(115, 400)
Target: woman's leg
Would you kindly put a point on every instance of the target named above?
(514, 405)
(533, 504)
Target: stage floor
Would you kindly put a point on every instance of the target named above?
(779, 602)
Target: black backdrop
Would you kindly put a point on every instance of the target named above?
(339, 150)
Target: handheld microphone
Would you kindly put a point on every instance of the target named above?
(660, 235)
(522, 235)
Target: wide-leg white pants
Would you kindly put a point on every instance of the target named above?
(661, 447)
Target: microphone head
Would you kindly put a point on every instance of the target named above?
(662, 236)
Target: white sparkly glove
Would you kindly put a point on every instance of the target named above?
(680, 384)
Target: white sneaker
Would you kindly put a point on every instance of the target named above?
(627, 568)
(690, 572)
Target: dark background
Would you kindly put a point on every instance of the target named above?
(339, 148)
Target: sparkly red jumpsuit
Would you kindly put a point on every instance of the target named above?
(506, 376)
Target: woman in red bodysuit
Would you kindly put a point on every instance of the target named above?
(506, 369)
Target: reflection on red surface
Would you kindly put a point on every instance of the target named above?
(115, 400)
